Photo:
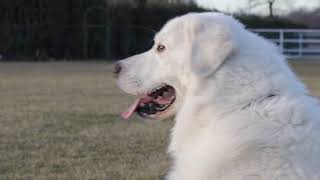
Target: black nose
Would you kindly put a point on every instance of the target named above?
(117, 69)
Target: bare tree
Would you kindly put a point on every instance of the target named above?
(257, 3)
(270, 5)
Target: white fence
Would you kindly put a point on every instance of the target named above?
(295, 43)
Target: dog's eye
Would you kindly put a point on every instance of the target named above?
(161, 48)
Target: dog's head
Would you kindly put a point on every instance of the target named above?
(193, 45)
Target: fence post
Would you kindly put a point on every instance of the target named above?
(294, 43)
(300, 44)
(281, 41)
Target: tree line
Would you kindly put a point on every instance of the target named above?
(80, 29)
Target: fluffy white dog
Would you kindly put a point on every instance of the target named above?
(241, 113)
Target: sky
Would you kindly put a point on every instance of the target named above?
(282, 6)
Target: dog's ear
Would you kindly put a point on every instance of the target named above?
(212, 44)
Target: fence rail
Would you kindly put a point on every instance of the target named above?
(295, 43)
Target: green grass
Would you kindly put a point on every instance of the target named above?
(61, 121)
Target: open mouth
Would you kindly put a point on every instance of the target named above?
(152, 104)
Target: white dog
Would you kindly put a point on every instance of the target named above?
(241, 114)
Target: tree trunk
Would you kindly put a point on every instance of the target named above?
(270, 3)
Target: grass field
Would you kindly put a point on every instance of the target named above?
(61, 121)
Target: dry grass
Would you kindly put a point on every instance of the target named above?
(60, 121)
(309, 72)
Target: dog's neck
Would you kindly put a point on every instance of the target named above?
(228, 93)
(229, 90)
(240, 81)
(212, 98)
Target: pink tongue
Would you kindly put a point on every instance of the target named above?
(127, 114)
(145, 99)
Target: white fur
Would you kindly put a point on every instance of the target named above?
(227, 126)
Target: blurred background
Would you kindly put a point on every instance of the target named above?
(112, 29)
(59, 103)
